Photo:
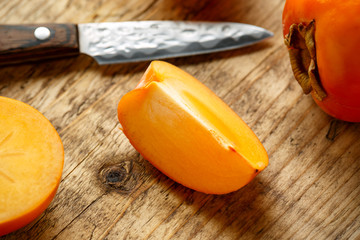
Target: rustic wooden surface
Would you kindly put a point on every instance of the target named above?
(310, 189)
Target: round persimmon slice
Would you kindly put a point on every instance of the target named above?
(31, 163)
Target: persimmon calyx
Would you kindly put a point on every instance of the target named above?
(302, 51)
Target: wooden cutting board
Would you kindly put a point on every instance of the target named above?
(108, 191)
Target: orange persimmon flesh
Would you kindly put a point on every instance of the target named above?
(188, 133)
(31, 163)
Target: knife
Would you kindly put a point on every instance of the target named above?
(121, 42)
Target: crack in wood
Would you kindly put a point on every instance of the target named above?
(79, 215)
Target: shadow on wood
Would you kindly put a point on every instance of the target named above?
(235, 212)
(208, 10)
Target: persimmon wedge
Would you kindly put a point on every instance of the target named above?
(31, 163)
(188, 133)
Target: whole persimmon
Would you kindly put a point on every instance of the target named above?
(323, 38)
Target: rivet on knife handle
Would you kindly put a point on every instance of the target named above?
(31, 42)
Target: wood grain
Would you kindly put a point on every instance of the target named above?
(310, 190)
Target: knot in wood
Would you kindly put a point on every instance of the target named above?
(123, 176)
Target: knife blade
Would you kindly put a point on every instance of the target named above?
(122, 42)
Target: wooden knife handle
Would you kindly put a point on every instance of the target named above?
(30, 42)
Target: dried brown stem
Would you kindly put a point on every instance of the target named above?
(302, 51)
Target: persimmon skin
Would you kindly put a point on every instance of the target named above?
(188, 133)
(22, 221)
(337, 37)
(31, 158)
